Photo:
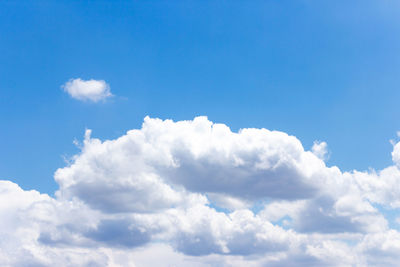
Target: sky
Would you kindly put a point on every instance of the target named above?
(173, 86)
(319, 70)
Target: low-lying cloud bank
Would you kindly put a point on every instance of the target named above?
(194, 193)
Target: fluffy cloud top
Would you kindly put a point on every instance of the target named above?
(90, 90)
(194, 193)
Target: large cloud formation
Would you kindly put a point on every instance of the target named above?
(194, 193)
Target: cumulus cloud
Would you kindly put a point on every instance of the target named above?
(320, 149)
(396, 154)
(195, 193)
(87, 90)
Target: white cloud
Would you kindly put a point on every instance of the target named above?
(396, 154)
(320, 149)
(195, 193)
(195, 156)
(89, 90)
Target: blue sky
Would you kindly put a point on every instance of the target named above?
(320, 70)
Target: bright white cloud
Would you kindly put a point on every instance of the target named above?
(396, 154)
(89, 90)
(195, 193)
(320, 149)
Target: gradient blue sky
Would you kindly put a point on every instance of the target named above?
(319, 70)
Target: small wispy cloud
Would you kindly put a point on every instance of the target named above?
(320, 149)
(87, 90)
